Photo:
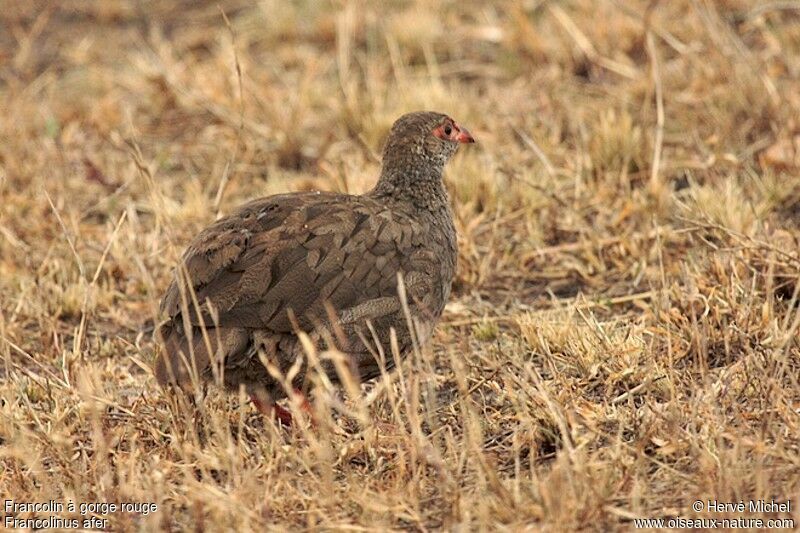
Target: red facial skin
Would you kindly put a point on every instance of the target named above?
(451, 131)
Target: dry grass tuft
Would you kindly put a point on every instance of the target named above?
(624, 334)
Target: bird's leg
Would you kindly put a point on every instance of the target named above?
(283, 415)
(305, 405)
(270, 409)
(263, 407)
(280, 413)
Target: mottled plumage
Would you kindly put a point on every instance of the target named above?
(322, 263)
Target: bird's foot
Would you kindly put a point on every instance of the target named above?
(271, 410)
(280, 413)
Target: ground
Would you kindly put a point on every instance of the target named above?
(622, 337)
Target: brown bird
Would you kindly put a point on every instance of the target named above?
(323, 263)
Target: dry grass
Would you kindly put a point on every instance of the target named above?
(623, 336)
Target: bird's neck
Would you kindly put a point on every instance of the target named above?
(420, 186)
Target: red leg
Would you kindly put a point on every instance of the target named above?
(283, 415)
(272, 410)
(305, 405)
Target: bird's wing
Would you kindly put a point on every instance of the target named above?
(295, 254)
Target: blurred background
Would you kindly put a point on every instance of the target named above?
(625, 309)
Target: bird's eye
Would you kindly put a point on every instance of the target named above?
(448, 130)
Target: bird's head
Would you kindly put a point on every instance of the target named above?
(423, 139)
